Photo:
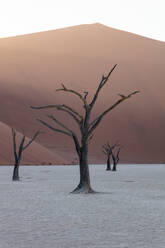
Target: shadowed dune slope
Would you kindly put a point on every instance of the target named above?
(33, 66)
(34, 154)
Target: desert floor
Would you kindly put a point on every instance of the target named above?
(40, 212)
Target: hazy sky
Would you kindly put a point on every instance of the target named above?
(144, 17)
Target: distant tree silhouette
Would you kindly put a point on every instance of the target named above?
(18, 153)
(115, 158)
(107, 150)
(85, 124)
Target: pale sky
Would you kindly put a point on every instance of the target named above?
(143, 17)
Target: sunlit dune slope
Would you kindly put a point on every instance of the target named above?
(34, 154)
(33, 66)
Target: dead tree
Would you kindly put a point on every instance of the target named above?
(115, 158)
(85, 124)
(18, 153)
(107, 150)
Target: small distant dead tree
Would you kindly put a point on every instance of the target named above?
(115, 158)
(85, 124)
(18, 153)
(107, 150)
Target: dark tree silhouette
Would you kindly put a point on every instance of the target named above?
(85, 124)
(18, 153)
(115, 158)
(107, 150)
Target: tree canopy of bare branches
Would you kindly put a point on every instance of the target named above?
(85, 124)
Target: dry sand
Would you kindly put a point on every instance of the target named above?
(39, 212)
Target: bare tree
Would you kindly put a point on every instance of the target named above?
(115, 158)
(107, 150)
(85, 124)
(18, 153)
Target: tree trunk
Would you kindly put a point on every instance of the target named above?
(84, 185)
(108, 164)
(114, 167)
(16, 172)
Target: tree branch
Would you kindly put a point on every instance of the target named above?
(101, 84)
(72, 134)
(72, 113)
(44, 107)
(58, 107)
(33, 138)
(107, 148)
(62, 107)
(60, 123)
(21, 147)
(95, 123)
(90, 138)
(116, 157)
(72, 110)
(74, 92)
(52, 128)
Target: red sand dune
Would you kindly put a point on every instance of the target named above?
(33, 66)
(34, 154)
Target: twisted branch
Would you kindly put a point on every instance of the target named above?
(59, 123)
(95, 123)
(52, 128)
(32, 139)
(68, 131)
(62, 107)
(58, 107)
(101, 84)
(75, 93)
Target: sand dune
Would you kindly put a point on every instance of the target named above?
(33, 66)
(35, 153)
